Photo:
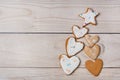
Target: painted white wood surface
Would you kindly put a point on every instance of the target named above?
(33, 34)
(55, 74)
(43, 50)
(56, 17)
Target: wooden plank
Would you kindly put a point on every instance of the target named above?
(35, 17)
(43, 50)
(97, 2)
(55, 73)
(66, 27)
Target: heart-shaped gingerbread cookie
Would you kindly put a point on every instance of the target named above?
(94, 67)
(79, 32)
(92, 52)
(69, 64)
(92, 40)
(73, 47)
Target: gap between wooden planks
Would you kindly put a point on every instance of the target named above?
(35, 56)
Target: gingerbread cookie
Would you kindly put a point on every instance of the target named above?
(94, 67)
(92, 52)
(79, 32)
(73, 47)
(92, 40)
(69, 64)
(89, 16)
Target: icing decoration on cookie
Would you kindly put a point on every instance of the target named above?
(79, 32)
(73, 47)
(89, 16)
(92, 52)
(70, 62)
(92, 40)
(94, 67)
(69, 65)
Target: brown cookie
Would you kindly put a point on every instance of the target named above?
(92, 52)
(92, 40)
(94, 67)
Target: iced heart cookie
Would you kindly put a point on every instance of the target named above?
(73, 47)
(89, 16)
(79, 32)
(69, 64)
(92, 40)
(94, 67)
(92, 52)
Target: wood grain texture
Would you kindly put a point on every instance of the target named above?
(35, 50)
(55, 73)
(33, 34)
(81, 2)
(36, 17)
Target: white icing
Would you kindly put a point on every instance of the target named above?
(89, 16)
(74, 47)
(79, 32)
(69, 64)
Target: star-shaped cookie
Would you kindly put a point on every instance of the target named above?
(89, 17)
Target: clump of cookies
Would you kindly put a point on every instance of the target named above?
(70, 62)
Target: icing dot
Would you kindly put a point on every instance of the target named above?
(68, 64)
(80, 14)
(89, 17)
(73, 47)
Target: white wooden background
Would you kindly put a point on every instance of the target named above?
(33, 34)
